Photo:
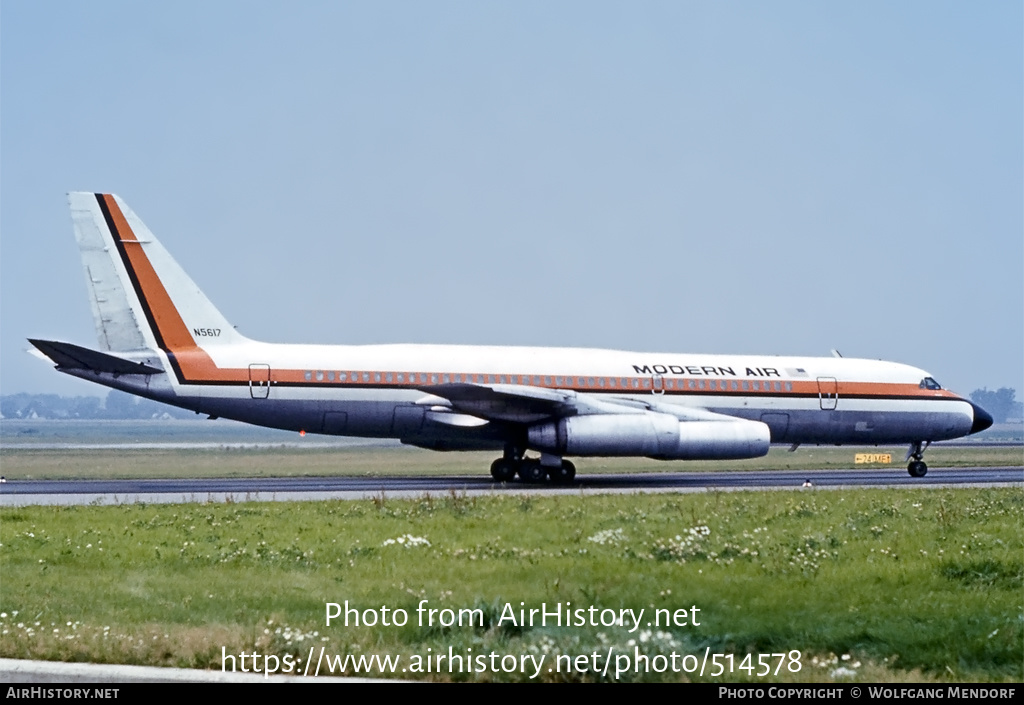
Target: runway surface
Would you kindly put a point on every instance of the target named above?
(66, 492)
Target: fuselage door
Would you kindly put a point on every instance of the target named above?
(828, 393)
(259, 381)
(657, 384)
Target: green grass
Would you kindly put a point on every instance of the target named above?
(32, 463)
(909, 585)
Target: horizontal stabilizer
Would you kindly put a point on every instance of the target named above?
(74, 357)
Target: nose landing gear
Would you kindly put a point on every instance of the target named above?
(917, 466)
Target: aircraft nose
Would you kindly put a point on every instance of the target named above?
(982, 419)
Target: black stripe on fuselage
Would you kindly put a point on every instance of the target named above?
(615, 392)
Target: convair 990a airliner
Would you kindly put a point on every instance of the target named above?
(161, 338)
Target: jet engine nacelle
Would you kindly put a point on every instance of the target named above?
(653, 435)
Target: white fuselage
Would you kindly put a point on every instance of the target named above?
(364, 390)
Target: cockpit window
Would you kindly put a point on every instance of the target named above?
(929, 383)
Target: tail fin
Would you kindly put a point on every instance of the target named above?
(141, 298)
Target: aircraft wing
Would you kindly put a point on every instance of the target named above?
(503, 402)
(529, 405)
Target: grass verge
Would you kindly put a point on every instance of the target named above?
(866, 584)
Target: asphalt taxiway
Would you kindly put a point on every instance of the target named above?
(82, 492)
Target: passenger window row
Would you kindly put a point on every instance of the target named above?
(555, 381)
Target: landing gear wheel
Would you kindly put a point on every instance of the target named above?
(562, 475)
(503, 470)
(532, 471)
(917, 468)
(915, 455)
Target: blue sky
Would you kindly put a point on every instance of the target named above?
(716, 177)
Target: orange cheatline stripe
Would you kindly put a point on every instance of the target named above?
(804, 388)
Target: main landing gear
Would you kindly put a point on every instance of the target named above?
(916, 467)
(532, 470)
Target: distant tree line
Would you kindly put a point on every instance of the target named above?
(117, 405)
(1000, 403)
